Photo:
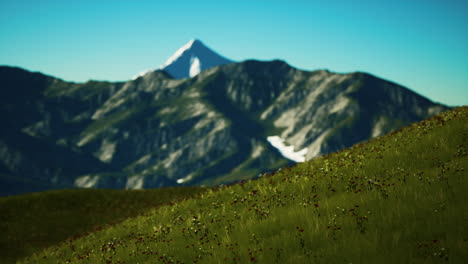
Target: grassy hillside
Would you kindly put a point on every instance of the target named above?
(34, 221)
(399, 199)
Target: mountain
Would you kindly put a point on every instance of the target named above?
(228, 123)
(190, 60)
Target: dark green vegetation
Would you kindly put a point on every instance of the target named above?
(31, 222)
(157, 131)
(400, 198)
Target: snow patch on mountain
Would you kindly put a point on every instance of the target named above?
(185, 179)
(195, 66)
(287, 151)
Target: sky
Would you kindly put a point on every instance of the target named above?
(421, 44)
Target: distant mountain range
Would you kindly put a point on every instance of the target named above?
(230, 121)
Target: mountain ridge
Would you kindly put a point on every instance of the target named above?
(210, 129)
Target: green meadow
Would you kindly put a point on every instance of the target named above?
(31, 222)
(400, 198)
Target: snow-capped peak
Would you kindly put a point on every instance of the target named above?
(189, 60)
(178, 53)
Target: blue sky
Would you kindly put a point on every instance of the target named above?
(422, 44)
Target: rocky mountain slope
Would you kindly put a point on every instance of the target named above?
(213, 128)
